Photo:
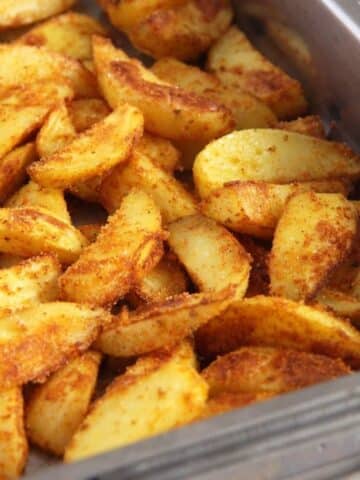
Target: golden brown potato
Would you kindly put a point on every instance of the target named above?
(51, 200)
(15, 13)
(281, 323)
(148, 386)
(13, 169)
(264, 369)
(90, 231)
(247, 111)
(183, 32)
(165, 280)
(310, 125)
(88, 155)
(172, 199)
(68, 34)
(255, 208)
(238, 64)
(30, 282)
(213, 258)
(128, 247)
(342, 304)
(39, 340)
(161, 324)
(273, 156)
(315, 234)
(226, 402)
(169, 111)
(56, 408)
(14, 446)
(85, 112)
(29, 231)
(160, 151)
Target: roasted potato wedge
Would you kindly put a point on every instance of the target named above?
(88, 155)
(29, 231)
(274, 156)
(213, 258)
(40, 339)
(146, 386)
(85, 112)
(161, 324)
(310, 125)
(247, 111)
(238, 64)
(14, 445)
(173, 200)
(315, 234)
(226, 402)
(255, 208)
(51, 200)
(160, 151)
(184, 32)
(264, 369)
(169, 111)
(281, 323)
(128, 247)
(68, 34)
(57, 407)
(15, 13)
(13, 169)
(342, 304)
(30, 282)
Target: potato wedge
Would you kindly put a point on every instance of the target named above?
(161, 324)
(160, 151)
(68, 34)
(238, 64)
(88, 155)
(39, 340)
(13, 169)
(340, 303)
(273, 156)
(315, 234)
(247, 111)
(56, 408)
(165, 280)
(85, 112)
(30, 282)
(255, 208)
(281, 323)
(213, 258)
(15, 13)
(128, 247)
(148, 386)
(30, 231)
(172, 199)
(51, 200)
(183, 32)
(273, 370)
(14, 445)
(310, 125)
(226, 402)
(169, 111)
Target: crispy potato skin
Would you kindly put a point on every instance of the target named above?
(147, 385)
(14, 445)
(277, 322)
(39, 340)
(56, 408)
(269, 370)
(309, 125)
(226, 402)
(126, 248)
(314, 235)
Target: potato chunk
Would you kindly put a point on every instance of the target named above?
(281, 323)
(260, 369)
(238, 64)
(213, 258)
(169, 111)
(56, 408)
(85, 112)
(310, 125)
(314, 235)
(342, 304)
(38, 340)
(148, 386)
(160, 151)
(89, 155)
(161, 324)
(226, 402)
(127, 248)
(273, 156)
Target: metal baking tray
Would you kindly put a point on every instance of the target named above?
(310, 434)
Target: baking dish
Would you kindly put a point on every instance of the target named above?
(313, 433)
